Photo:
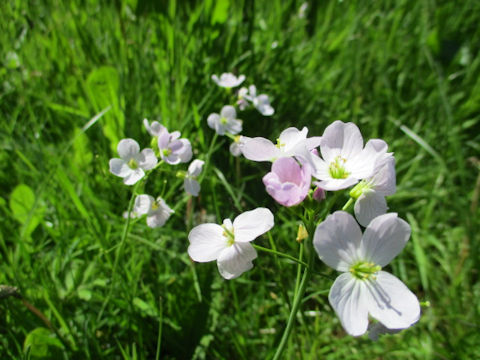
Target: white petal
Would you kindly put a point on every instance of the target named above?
(362, 165)
(384, 180)
(368, 206)
(235, 149)
(119, 167)
(155, 128)
(291, 137)
(195, 167)
(336, 184)
(206, 242)
(384, 238)
(345, 137)
(228, 112)
(240, 79)
(213, 121)
(191, 186)
(128, 148)
(216, 79)
(349, 299)
(313, 142)
(234, 126)
(391, 302)
(260, 149)
(147, 159)
(158, 218)
(235, 260)
(251, 224)
(143, 204)
(134, 176)
(186, 154)
(336, 240)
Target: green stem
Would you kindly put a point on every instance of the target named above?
(295, 306)
(261, 248)
(119, 251)
(347, 204)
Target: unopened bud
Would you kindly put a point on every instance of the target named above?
(319, 194)
(301, 233)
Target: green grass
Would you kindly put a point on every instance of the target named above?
(404, 71)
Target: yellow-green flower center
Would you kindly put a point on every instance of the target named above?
(337, 168)
(229, 235)
(223, 120)
(155, 205)
(365, 270)
(132, 164)
(166, 152)
(279, 144)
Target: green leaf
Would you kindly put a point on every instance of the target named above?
(22, 205)
(42, 343)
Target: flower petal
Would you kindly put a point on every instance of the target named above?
(336, 240)
(195, 167)
(291, 137)
(233, 126)
(391, 302)
(213, 121)
(143, 204)
(342, 139)
(235, 260)
(384, 180)
(147, 159)
(228, 112)
(134, 176)
(336, 184)
(206, 242)
(119, 167)
(128, 148)
(185, 154)
(260, 149)
(368, 206)
(191, 186)
(349, 298)
(251, 224)
(384, 238)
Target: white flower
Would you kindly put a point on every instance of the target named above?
(370, 193)
(363, 289)
(291, 142)
(172, 149)
(261, 102)
(190, 183)
(157, 211)
(228, 80)
(225, 122)
(155, 129)
(132, 163)
(237, 145)
(229, 243)
(345, 161)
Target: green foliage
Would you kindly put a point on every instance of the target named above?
(77, 76)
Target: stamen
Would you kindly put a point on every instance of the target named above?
(337, 168)
(132, 164)
(365, 270)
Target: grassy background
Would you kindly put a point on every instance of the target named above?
(406, 71)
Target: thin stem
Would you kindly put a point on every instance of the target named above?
(119, 251)
(300, 291)
(347, 204)
(261, 248)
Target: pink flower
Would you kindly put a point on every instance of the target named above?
(288, 182)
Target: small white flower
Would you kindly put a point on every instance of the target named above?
(132, 163)
(228, 80)
(157, 211)
(155, 129)
(363, 289)
(172, 149)
(291, 142)
(190, 183)
(237, 145)
(229, 243)
(225, 122)
(260, 102)
(345, 161)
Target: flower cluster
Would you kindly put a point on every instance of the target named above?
(303, 172)
(226, 123)
(134, 164)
